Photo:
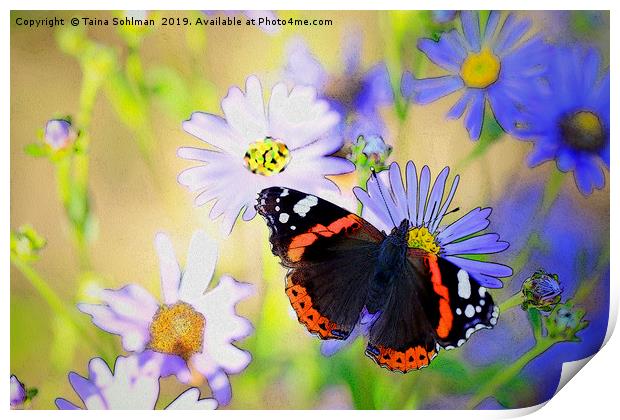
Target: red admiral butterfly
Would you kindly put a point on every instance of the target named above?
(339, 263)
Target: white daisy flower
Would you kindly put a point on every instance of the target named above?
(194, 328)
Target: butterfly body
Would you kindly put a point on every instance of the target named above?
(391, 259)
(340, 265)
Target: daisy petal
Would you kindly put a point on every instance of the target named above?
(63, 404)
(190, 400)
(424, 91)
(476, 268)
(201, 260)
(425, 180)
(488, 243)
(473, 222)
(475, 115)
(214, 130)
(441, 53)
(412, 191)
(471, 29)
(245, 112)
(169, 269)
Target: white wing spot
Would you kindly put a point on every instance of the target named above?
(283, 217)
(469, 311)
(458, 311)
(482, 291)
(478, 309)
(293, 227)
(303, 206)
(284, 192)
(482, 302)
(277, 200)
(464, 289)
(277, 208)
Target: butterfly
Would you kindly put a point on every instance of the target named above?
(340, 264)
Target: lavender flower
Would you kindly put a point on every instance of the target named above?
(259, 148)
(134, 385)
(356, 94)
(193, 327)
(59, 134)
(425, 207)
(494, 67)
(18, 393)
(570, 122)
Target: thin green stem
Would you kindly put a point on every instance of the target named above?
(54, 301)
(512, 302)
(506, 375)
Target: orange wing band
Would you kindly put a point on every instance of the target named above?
(309, 316)
(402, 361)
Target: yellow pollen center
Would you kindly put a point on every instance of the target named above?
(583, 130)
(421, 238)
(481, 69)
(267, 157)
(588, 122)
(177, 329)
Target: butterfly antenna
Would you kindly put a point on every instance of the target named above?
(374, 175)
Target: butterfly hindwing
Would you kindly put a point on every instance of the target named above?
(403, 337)
(432, 304)
(331, 254)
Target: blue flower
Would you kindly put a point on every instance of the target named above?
(570, 122)
(494, 67)
(356, 94)
(425, 208)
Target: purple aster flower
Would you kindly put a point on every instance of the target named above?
(493, 66)
(193, 328)
(356, 94)
(18, 393)
(134, 385)
(424, 206)
(59, 134)
(570, 122)
(259, 147)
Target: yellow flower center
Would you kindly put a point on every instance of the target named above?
(267, 157)
(481, 69)
(177, 329)
(421, 238)
(583, 130)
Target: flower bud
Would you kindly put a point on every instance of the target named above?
(59, 134)
(541, 291)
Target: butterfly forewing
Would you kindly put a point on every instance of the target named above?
(331, 254)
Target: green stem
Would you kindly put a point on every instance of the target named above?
(54, 301)
(505, 375)
(512, 302)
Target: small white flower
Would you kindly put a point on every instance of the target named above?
(134, 385)
(287, 143)
(194, 327)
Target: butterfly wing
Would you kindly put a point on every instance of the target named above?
(429, 306)
(331, 254)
